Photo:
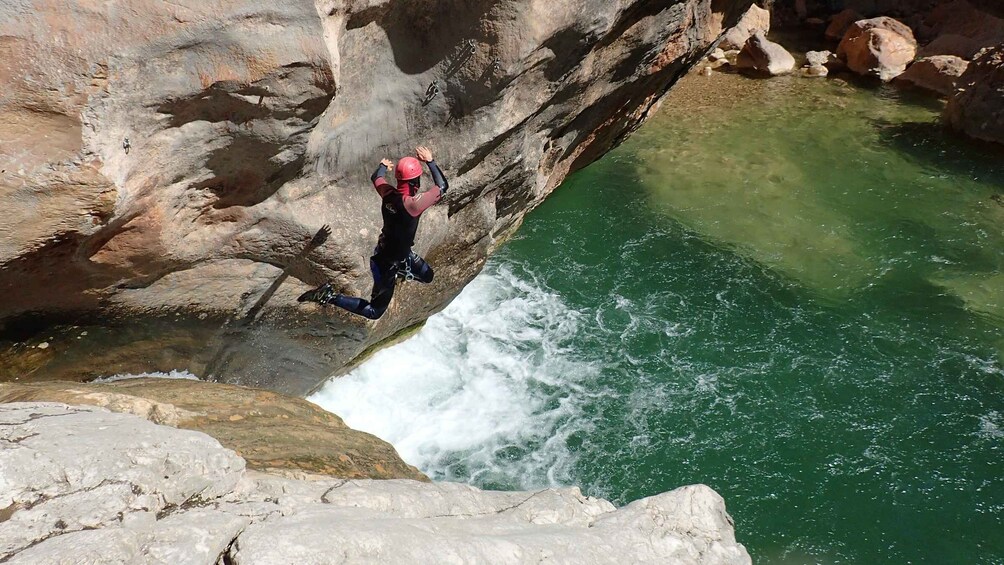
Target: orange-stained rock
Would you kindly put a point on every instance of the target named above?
(839, 24)
(977, 107)
(880, 47)
(939, 73)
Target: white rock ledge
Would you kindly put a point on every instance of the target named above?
(84, 485)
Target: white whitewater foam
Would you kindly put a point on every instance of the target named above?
(488, 391)
(157, 375)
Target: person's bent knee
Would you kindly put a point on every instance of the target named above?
(373, 313)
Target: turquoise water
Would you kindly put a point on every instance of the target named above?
(790, 290)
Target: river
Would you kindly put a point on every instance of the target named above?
(791, 290)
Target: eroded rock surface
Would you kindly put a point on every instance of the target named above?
(170, 161)
(80, 484)
(270, 431)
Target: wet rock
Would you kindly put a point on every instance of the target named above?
(270, 431)
(755, 20)
(977, 107)
(815, 71)
(839, 24)
(880, 47)
(172, 161)
(939, 73)
(819, 58)
(761, 55)
(174, 496)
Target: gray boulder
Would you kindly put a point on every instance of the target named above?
(760, 55)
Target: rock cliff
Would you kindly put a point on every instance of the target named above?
(84, 485)
(165, 165)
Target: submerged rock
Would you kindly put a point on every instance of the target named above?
(168, 163)
(880, 47)
(272, 432)
(85, 485)
(939, 73)
(977, 107)
(764, 56)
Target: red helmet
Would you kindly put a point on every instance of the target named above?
(408, 168)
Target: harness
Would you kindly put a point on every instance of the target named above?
(403, 269)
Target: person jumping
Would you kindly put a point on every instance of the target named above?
(401, 208)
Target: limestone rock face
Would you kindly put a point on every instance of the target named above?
(65, 469)
(167, 163)
(764, 56)
(977, 107)
(880, 47)
(755, 20)
(939, 73)
(270, 431)
(119, 489)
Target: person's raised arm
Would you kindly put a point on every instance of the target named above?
(379, 183)
(419, 203)
(437, 176)
(424, 154)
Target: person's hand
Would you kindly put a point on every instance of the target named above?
(423, 153)
(387, 163)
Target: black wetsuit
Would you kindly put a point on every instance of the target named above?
(401, 209)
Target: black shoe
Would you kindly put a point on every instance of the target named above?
(323, 294)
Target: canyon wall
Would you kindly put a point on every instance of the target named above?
(165, 165)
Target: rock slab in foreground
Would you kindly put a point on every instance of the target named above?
(271, 431)
(83, 485)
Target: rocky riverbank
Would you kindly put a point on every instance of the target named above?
(85, 485)
(951, 48)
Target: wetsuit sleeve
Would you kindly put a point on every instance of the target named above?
(419, 203)
(438, 177)
(381, 185)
